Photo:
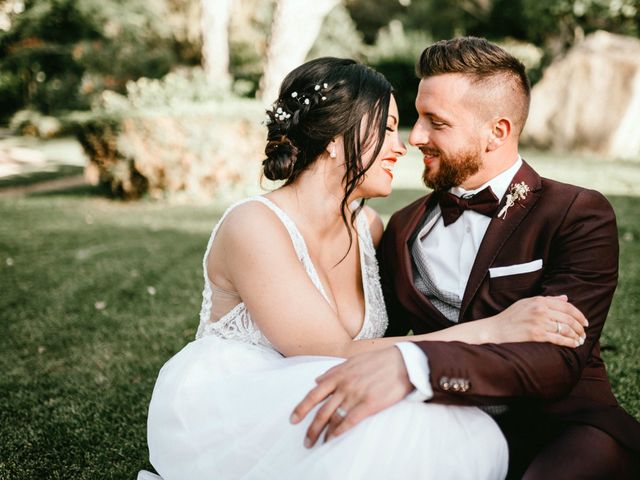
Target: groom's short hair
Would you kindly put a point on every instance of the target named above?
(487, 65)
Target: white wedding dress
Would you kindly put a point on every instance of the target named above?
(220, 408)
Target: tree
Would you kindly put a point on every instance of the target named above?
(295, 27)
(216, 15)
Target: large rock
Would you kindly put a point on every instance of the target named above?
(589, 100)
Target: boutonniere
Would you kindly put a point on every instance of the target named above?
(517, 193)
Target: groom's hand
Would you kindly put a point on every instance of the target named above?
(359, 387)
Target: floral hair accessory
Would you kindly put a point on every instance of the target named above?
(517, 193)
(279, 113)
(306, 98)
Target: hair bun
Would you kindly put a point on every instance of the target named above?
(281, 157)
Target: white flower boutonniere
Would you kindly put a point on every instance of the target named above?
(517, 193)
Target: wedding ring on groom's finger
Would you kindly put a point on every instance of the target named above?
(341, 412)
(558, 327)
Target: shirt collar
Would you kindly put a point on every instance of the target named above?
(499, 184)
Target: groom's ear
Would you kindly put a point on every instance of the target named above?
(500, 132)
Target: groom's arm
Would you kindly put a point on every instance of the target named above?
(583, 264)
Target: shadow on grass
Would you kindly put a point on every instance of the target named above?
(79, 192)
(31, 178)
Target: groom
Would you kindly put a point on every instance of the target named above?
(493, 232)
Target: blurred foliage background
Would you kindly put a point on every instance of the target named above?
(111, 72)
(59, 55)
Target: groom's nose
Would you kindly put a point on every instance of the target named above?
(419, 134)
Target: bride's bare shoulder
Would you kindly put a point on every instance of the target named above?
(376, 227)
(251, 223)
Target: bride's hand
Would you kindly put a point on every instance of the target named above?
(539, 319)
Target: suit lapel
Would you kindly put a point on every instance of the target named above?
(413, 299)
(499, 230)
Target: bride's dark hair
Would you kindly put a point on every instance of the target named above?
(319, 101)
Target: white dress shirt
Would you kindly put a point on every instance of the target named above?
(451, 251)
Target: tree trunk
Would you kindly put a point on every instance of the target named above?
(295, 27)
(215, 40)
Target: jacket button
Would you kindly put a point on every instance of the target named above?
(455, 385)
(444, 383)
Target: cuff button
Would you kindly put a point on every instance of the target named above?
(444, 383)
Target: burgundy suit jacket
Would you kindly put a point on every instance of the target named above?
(573, 231)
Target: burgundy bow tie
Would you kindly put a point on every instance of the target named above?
(484, 202)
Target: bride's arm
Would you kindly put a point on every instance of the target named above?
(256, 254)
(527, 320)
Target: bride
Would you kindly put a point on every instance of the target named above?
(291, 289)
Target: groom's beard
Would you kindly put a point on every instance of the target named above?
(452, 170)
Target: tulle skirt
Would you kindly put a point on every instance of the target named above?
(220, 410)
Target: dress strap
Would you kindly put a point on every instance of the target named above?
(296, 239)
(298, 242)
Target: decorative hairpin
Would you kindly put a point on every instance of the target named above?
(304, 98)
(279, 113)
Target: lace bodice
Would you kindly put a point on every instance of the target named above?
(237, 323)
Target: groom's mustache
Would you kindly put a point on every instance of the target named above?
(429, 151)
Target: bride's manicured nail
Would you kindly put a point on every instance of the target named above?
(581, 340)
(307, 442)
(293, 418)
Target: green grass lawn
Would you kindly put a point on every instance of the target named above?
(96, 295)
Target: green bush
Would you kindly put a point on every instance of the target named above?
(58, 54)
(10, 92)
(402, 75)
(172, 138)
(46, 74)
(250, 21)
(338, 37)
(395, 54)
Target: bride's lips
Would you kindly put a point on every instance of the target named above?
(388, 164)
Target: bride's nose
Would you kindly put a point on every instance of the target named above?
(399, 148)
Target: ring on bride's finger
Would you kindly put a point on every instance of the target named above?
(341, 412)
(558, 327)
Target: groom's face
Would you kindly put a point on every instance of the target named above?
(448, 131)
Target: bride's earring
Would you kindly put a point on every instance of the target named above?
(333, 152)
